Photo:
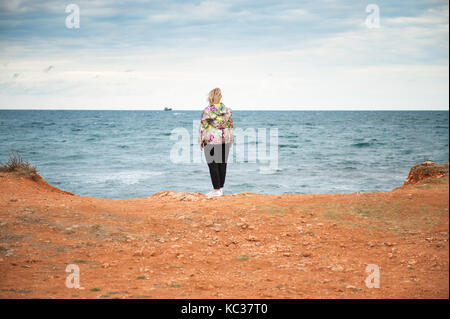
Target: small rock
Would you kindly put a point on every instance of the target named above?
(353, 288)
(337, 268)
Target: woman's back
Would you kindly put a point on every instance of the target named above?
(216, 125)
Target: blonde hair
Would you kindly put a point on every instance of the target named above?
(215, 96)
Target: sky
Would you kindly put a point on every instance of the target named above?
(278, 55)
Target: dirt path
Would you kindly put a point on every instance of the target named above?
(242, 246)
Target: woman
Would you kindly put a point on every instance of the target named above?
(216, 138)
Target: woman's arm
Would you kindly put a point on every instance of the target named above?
(200, 130)
(231, 126)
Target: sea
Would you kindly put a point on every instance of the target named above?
(128, 154)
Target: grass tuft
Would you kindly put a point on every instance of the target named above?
(242, 258)
(19, 167)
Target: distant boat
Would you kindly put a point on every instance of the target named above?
(167, 109)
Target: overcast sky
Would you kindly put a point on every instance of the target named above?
(263, 54)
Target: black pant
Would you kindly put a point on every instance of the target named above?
(216, 156)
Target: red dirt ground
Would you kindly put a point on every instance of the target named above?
(177, 245)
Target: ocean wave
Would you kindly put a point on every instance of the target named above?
(127, 177)
(288, 146)
(74, 157)
(269, 171)
(362, 144)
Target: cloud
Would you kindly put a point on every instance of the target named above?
(139, 53)
(185, 12)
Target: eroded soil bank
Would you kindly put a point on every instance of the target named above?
(174, 245)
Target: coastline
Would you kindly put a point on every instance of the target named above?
(183, 245)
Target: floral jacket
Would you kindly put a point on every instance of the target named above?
(216, 125)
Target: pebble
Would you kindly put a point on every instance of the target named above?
(412, 262)
(337, 268)
(353, 288)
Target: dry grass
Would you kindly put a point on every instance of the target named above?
(19, 167)
(384, 215)
(428, 182)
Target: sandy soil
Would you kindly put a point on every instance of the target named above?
(177, 245)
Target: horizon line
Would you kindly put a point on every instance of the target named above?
(235, 109)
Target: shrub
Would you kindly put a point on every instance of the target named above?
(19, 167)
